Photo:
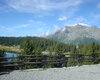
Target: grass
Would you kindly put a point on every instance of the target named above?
(10, 48)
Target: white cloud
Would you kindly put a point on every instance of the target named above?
(56, 28)
(42, 23)
(5, 28)
(31, 21)
(98, 5)
(19, 26)
(48, 31)
(4, 8)
(37, 22)
(77, 20)
(96, 16)
(10, 28)
(62, 18)
(33, 6)
(30, 24)
(44, 34)
(22, 26)
(80, 19)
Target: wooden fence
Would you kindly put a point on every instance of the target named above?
(42, 61)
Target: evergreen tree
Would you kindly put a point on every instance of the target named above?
(27, 47)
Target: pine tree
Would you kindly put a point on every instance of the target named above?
(27, 47)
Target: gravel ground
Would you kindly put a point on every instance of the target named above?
(87, 72)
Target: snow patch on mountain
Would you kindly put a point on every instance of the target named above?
(76, 33)
(81, 24)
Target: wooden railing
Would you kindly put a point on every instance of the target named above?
(39, 61)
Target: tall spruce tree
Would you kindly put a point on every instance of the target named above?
(27, 47)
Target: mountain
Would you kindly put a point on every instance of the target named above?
(78, 33)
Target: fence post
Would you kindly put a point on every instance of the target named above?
(43, 61)
(63, 60)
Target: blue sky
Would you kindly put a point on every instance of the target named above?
(42, 17)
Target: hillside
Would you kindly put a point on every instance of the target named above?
(77, 34)
(37, 43)
(10, 41)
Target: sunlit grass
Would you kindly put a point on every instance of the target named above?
(10, 48)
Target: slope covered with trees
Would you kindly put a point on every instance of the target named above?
(40, 44)
(10, 41)
(37, 43)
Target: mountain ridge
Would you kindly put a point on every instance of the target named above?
(77, 33)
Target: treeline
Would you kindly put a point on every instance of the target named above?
(10, 41)
(33, 45)
(39, 45)
(90, 48)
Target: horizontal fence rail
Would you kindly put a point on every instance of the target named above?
(41, 61)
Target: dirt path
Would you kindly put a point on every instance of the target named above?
(86, 72)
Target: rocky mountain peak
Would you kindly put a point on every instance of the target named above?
(77, 33)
